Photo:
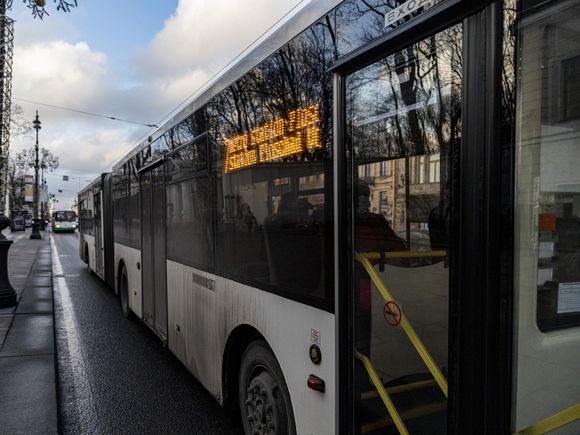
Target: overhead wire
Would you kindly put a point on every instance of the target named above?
(84, 112)
(179, 106)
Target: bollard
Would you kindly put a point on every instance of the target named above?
(7, 293)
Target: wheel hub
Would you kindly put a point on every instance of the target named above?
(264, 417)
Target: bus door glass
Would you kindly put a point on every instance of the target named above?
(403, 125)
(546, 360)
(98, 236)
(153, 268)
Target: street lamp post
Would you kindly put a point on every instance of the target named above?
(35, 226)
(43, 201)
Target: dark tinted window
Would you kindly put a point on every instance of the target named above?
(86, 213)
(189, 206)
(65, 216)
(126, 223)
(271, 138)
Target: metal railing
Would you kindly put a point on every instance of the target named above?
(365, 260)
(553, 422)
(549, 424)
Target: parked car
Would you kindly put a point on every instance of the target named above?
(28, 222)
(18, 223)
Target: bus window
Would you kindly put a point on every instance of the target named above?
(547, 249)
(403, 121)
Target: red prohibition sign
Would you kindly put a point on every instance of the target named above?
(392, 313)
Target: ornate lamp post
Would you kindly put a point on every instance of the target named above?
(35, 226)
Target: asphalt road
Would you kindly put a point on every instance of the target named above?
(114, 375)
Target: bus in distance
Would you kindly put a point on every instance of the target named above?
(64, 221)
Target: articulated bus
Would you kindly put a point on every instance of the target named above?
(369, 223)
(64, 221)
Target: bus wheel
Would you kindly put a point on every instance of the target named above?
(265, 404)
(88, 261)
(124, 291)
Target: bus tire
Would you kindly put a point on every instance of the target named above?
(124, 291)
(265, 404)
(88, 260)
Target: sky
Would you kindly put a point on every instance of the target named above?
(132, 60)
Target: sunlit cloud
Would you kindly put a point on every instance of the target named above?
(57, 66)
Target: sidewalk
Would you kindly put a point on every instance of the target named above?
(28, 401)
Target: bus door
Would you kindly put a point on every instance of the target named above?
(402, 118)
(153, 267)
(98, 235)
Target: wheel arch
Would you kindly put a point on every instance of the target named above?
(236, 344)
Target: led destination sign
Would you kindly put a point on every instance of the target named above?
(275, 139)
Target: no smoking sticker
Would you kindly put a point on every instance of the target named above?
(392, 313)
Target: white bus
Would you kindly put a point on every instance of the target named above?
(369, 223)
(64, 221)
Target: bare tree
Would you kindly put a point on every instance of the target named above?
(6, 47)
(38, 6)
(18, 168)
(25, 159)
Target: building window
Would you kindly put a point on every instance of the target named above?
(422, 165)
(434, 168)
(384, 168)
(571, 88)
(383, 202)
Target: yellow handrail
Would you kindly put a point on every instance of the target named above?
(402, 254)
(383, 393)
(553, 422)
(413, 337)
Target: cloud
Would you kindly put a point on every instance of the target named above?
(61, 73)
(95, 150)
(201, 38)
(54, 65)
(72, 75)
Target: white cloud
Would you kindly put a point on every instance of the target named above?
(207, 34)
(201, 38)
(60, 73)
(59, 68)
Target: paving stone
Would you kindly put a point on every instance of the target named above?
(30, 334)
(28, 395)
(39, 281)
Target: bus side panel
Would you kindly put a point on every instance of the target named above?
(131, 257)
(201, 320)
(193, 334)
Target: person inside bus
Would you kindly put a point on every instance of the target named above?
(293, 244)
(248, 217)
(372, 234)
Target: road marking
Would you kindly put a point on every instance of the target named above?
(72, 358)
